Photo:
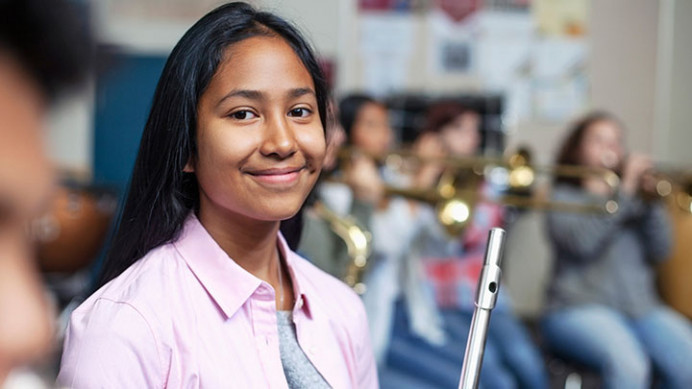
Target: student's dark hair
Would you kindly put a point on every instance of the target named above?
(161, 195)
(441, 113)
(349, 107)
(570, 151)
(51, 40)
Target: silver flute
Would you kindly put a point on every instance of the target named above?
(486, 296)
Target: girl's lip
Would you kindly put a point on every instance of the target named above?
(276, 171)
(277, 176)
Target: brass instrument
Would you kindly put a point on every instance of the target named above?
(673, 185)
(357, 243)
(456, 192)
(454, 197)
(525, 176)
(453, 202)
(683, 197)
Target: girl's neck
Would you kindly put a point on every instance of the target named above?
(252, 244)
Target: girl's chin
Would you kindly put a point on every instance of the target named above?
(281, 213)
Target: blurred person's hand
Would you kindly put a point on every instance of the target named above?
(428, 145)
(634, 169)
(362, 176)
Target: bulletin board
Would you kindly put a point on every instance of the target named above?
(534, 53)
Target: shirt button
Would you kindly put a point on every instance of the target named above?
(312, 350)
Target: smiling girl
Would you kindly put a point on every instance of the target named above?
(200, 289)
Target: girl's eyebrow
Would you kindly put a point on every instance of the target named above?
(298, 92)
(259, 96)
(245, 93)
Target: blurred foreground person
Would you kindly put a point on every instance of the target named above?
(603, 307)
(42, 50)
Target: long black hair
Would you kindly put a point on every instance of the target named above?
(161, 195)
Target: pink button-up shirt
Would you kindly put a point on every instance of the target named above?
(187, 316)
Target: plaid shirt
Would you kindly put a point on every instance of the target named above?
(453, 279)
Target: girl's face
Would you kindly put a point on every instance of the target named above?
(461, 136)
(371, 131)
(601, 145)
(260, 140)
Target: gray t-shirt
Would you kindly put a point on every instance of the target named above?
(299, 371)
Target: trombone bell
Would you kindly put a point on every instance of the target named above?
(454, 215)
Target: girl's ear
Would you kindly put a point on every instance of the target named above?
(189, 167)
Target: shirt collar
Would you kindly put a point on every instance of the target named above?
(301, 293)
(227, 283)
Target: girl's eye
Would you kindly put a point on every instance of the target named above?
(242, 115)
(299, 112)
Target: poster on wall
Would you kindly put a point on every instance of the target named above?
(504, 47)
(457, 10)
(385, 48)
(560, 82)
(560, 87)
(565, 18)
(533, 52)
(539, 65)
(450, 47)
(387, 5)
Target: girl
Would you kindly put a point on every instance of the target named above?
(603, 307)
(200, 287)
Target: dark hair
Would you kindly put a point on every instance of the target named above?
(349, 107)
(441, 113)
(570, 151)
(49, 39)
(161, 195)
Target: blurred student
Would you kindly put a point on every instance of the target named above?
(200, 288)
(350, 189)
(603, 307)
(358, 193)
(43, 49)
(451, 266)
(368, 133)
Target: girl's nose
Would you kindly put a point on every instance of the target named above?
(279, 138)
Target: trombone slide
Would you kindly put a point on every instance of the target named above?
(486, 296)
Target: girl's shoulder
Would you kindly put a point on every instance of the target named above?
(156, 277)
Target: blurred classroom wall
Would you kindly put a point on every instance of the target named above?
(640, 66)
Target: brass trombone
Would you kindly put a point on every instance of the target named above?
(457, 191)
(673, 185)
(455, 195)
(357, 242)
